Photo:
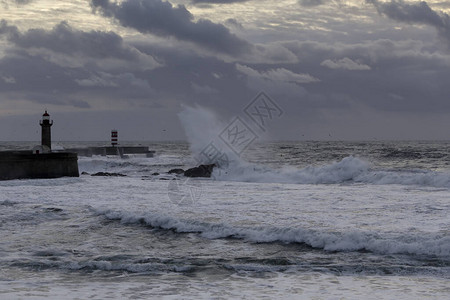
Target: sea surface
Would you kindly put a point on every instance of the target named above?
(289, 220)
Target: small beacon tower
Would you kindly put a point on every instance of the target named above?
(114, 137)
(46, 124)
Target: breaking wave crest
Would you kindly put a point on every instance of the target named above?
(433, 245)
(350, 169)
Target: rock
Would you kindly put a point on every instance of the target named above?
(108, 174)
(200, 171)
(85, 173)
(176, 171)
(54, 209)
(155, 174)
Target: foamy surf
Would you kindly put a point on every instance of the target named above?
(368, 213)
(434, 245)
(348, 170)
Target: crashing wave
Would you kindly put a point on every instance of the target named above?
(434, 245)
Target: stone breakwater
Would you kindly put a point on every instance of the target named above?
(25, 164)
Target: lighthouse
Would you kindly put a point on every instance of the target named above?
(46, 124)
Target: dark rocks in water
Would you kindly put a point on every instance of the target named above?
(200, 171)
(176, 171)
(85, 173)
(54, 209)
(155, 174)
(108, 174)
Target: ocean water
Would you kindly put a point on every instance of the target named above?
(290, 220)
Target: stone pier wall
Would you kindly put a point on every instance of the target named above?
(109, 150)
(25, 164)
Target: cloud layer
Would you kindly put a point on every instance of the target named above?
(415, 13)
(356, 70)
(162, 19)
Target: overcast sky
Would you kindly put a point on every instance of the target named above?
(336, 69)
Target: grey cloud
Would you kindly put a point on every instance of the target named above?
(345, 64)
(38, 80)
(62, 66)
(70, 47)
(407, 69)
(162, 19)
(270, 53)
(19, 2)
(30, 72)
(310, 3)
(34, 73)
(203, 89)
(417, 13)
(403, 76)
(218, 1)
(64, 39)
(234, 23)
(11, 32)
(280, 82)
(8, 79)
(103, 79)
(279, 75)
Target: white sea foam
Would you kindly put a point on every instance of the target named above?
(432, 245)
(348, 170)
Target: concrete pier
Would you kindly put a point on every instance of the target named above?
(39, 162)
(25, 164)
(112, 150)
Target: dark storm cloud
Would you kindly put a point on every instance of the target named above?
(191, 77)
(417, 13)
(64, 39)
(163, 19)
(32, 78)
(62, 66)
(38, 80)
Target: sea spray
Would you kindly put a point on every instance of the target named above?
(203, 128)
